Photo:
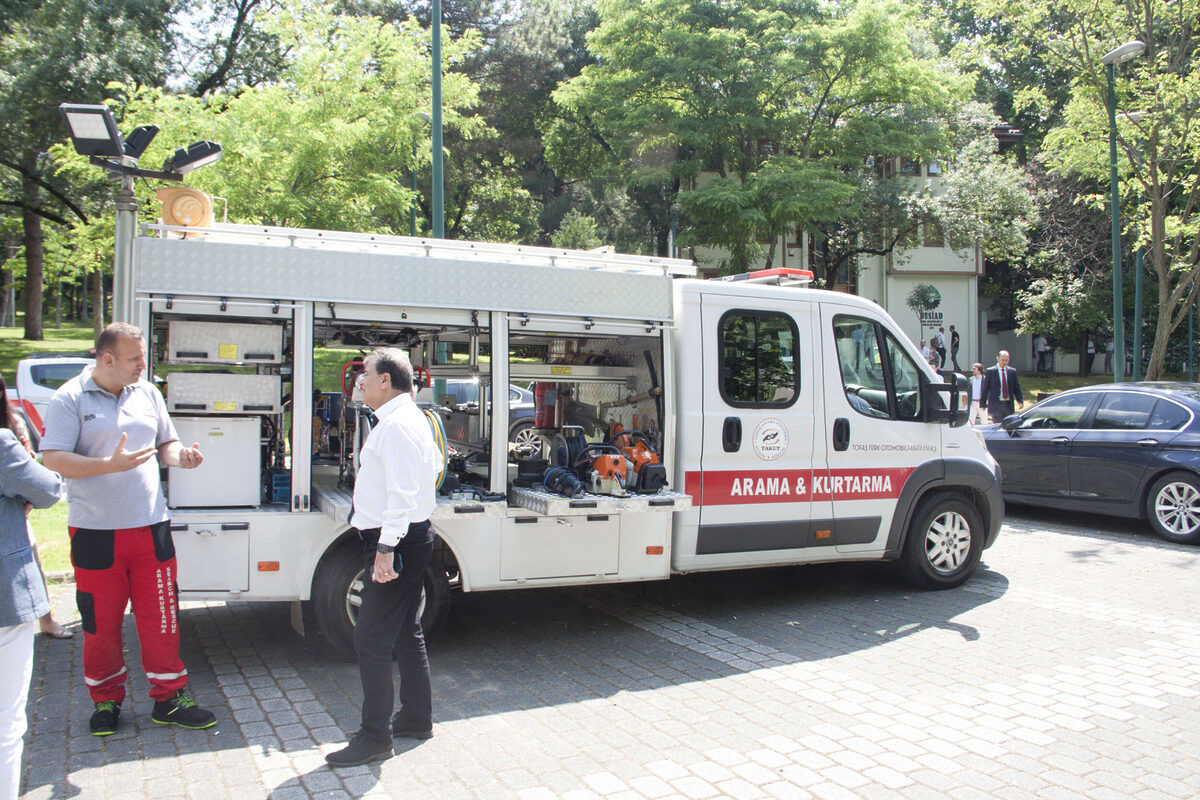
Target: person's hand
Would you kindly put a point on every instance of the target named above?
(191, 457)
(123, 460)
(384, 571)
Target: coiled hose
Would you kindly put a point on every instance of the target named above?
(439, 439)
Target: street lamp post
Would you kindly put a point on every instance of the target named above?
(1136, 370)
(439, 211)
(1110, 59)
(94, 133)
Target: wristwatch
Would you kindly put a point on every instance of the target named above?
(384, 548)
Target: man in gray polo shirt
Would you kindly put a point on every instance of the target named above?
(107, 432)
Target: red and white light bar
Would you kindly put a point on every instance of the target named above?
(781, 276)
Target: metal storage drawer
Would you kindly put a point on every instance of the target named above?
(224, 342)
(213, 556)
(559, 547)
(219, 393)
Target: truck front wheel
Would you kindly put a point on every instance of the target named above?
(337, 595)
(944, 542)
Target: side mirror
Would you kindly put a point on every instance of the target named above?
(1011, 422)
(943, 402)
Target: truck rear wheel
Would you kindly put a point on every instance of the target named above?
(944, 542)
(337, 595)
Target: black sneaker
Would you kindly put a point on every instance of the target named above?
(105, 717)
(182, 710)
(404, 729)
(362, 749)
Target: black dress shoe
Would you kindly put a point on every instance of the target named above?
(406, 729)
(362, 749)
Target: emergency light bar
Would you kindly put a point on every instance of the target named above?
(781, 276)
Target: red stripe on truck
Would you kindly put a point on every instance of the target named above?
(735, 487)
(35, 418)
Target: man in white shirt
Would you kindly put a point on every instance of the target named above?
(394, 494)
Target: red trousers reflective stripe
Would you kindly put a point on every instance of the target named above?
(114, 569)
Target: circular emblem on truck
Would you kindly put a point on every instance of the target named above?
(770, 439)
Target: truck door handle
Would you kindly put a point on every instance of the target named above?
(1059, 440)
(731, 434)
(841, 433)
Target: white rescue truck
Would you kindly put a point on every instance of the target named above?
(681, 425)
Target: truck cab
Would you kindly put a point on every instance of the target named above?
(811, 430)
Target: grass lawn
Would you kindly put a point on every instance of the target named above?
(50, 532)
(73, 337)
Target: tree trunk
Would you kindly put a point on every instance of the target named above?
(1166, 307)
(6, 282)
(98, 303)
(32, 225)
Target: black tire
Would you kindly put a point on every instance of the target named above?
(944, 542)
(1173, 507)
(336, 597)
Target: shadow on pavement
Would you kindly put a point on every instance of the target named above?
(279, 697)
(1087, 526)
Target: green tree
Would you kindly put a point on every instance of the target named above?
(1064, 306)
(755, 116)
(55, 51)
(224, 47)
(577, 231)
(331, 144)
(1158, 154)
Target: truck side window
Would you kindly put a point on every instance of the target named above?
(906, 381)
(863, 379)
(758, 359)
(879, 378)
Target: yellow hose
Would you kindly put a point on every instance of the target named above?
(439, 439)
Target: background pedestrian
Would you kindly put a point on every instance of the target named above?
(976, 414)
(1001, 388)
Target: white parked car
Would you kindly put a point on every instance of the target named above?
(38, 377)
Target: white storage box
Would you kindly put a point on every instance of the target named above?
(219, 393)
(224, 342)
(230, 474)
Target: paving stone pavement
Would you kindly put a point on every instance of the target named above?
(1068, 667)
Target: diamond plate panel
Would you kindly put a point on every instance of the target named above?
(184, 266)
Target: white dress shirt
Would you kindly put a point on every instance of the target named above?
(398, 469)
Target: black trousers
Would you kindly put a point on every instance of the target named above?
(389, 622)
(1001, 409)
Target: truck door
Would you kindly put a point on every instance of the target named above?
(875, 436)
(759, 403)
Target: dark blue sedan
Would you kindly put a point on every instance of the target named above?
(1126, 449)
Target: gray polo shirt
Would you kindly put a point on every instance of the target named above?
(85, 419)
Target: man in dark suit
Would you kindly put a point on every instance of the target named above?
(1000, 388)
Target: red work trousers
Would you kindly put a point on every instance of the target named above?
(116, 568)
